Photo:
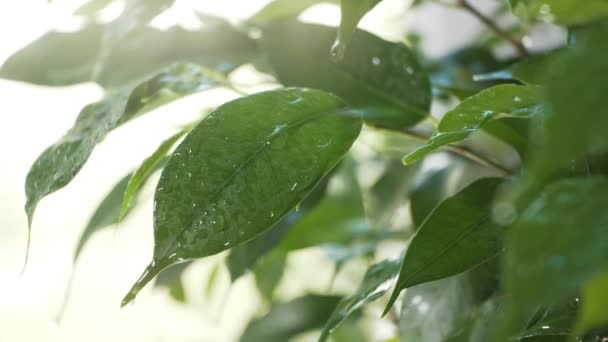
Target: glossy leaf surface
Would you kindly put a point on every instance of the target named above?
(351, 13)
(376, 282)
(460, 122)
(383, 80)
(458, 235)
(289, 319)
(60, 163)
(242, 169)
(566, 220)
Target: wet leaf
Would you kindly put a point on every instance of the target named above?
(62, 161)
(142, 53)
(383, 80)
(564, 12)
(289, 319)
(376, 282)
(566, 220)
(242, 169)
(458, 235)
(351, 13)
(469, 116)
(279, 9)
(594, 308)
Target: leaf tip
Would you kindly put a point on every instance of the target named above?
(391, 301)
(150, 272)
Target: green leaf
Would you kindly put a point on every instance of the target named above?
(594, 309)
(62, 161)
(144, 171)
(427, 194)
(143, 52)
(432, 312)
(383, 80)
(171, 278)
(279, 9)
(351, 13)
(496, 102)
(564, 12)
(458, 235)
(242, 169)
(290, 319)
(268, 273)
(375, 284)
(105, 215)
(555, 321)
(530, 71)
(566, 220)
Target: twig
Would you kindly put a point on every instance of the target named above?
(517, 44)
(466, 153)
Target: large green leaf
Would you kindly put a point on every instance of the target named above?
(60, 163)
(383, 80)
(496, 102)
(376, 282)
(458, 235)
(351, 13)
(594, 309)
(242, 169)
(566, 12)
(141, 53)
(289, 319)
(278, 9)
(554, 246)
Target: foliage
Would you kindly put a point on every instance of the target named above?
(496, 247)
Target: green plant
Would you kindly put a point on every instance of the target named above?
(506, 242)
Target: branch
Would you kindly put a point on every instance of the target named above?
(517, 44)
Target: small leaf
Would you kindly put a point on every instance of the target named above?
(105, 215)
(279, 9)
(144, 171)
(594, 309)
(383, 80)
(61, 162)
(376, 282)
(566, 220)
(529, 71)
(268, 273)
(242, 169)
(472, 113)
(290, 319)
(351, 13)
(458, 235)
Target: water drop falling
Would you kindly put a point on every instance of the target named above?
(338, 50)
(376, 61)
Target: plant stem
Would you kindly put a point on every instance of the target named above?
(466, 153)
(517, 44)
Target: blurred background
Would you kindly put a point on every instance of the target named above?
(33, 117)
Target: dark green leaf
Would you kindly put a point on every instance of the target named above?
(279, 9)
(242, 169)
(289, 319)
(105, 215)
(268, 273)
(594, 309)
(554, 248)
(383, 80)
(144, 171)
(529, 71)
(376, 282)
(472, 113)
(351, 13)
(427, 194)
(60, 163)
(458, 235)
(565, 12)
